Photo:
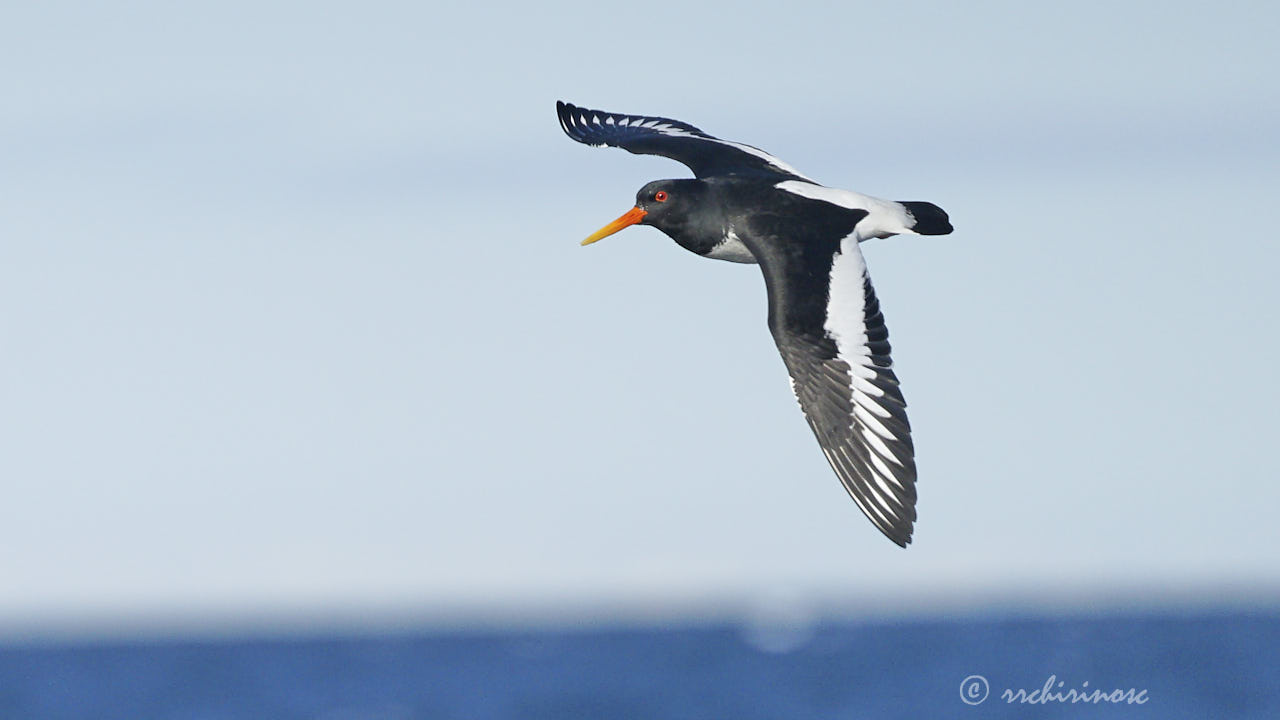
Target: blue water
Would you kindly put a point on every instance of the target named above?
(1201, 666)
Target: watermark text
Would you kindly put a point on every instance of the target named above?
(975, 689)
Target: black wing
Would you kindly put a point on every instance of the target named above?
(859, 416)
(826, 321)
(682, 142)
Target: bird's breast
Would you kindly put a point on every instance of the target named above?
(731, 248)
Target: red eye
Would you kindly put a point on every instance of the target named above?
(660, 196)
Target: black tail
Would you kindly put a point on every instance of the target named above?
(930, 219)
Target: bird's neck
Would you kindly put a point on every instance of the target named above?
(705, 226)
(700, 238)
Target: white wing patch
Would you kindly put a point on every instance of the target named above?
(846, 326)
(884, 217)
(845, 321)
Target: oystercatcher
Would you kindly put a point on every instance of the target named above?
(744, 205)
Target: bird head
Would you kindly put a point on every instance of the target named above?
(672, 206)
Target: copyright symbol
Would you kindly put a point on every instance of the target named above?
(974, 689)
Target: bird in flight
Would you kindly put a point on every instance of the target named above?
(744, 205)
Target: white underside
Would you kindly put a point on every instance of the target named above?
(732, 249)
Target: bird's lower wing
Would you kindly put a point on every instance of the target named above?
(682, 142)
(842, 376)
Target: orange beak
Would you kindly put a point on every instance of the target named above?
(632, 216)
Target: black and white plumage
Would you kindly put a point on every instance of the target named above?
(745, 205)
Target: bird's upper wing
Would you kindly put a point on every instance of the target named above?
(826, 321)
(705, 155)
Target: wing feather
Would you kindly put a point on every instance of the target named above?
(704, 154)
(843, 378)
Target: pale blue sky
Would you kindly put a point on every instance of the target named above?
(293, 312)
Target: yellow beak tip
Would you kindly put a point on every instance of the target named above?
(631, 217)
